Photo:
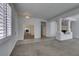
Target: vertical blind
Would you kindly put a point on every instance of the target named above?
(5, 20)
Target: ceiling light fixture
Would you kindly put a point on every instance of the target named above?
(27, 17)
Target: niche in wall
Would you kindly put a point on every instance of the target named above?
(64, 29)
(64, 25)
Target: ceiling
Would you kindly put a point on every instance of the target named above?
(43, 10)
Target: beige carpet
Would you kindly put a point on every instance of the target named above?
(48, 47)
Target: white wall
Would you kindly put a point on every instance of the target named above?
(20, 29)
(7, 46)
(75, 28)
(48, 29)
(51, 29)
(37, 29)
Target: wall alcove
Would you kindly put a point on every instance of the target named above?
(64, 29)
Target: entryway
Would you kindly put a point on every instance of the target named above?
(43, 29)
(29, 32)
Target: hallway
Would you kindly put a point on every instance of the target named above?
(47, 47)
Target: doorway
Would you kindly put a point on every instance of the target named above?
(29, 32)
(43, 29)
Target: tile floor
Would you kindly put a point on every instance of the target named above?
(46, 47)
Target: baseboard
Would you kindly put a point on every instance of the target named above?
(77, 37)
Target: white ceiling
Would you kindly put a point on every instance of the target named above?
(43, 10)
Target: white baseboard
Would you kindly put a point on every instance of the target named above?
(76, 37)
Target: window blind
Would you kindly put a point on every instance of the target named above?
(5, 20)
(9, 20)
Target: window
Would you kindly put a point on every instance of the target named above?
(8, 20)
(5, 20)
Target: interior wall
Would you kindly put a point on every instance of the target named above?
(48, 29)
(21, 28)
(33, 21)
(7, 46)
(51, 29)
(37, 29)
(75, 28)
